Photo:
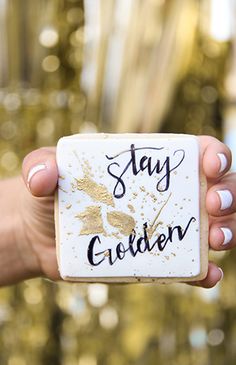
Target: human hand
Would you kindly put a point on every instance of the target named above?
(40, 176)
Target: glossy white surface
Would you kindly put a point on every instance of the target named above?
(158, 187)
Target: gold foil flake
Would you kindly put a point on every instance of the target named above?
(154, 198)
(76, 155)
(116, 235)
(60, 188)
(68, 206)
(123, 222)
(92, 220)
(131, 208)
(97, 192)
(155, 223)
(87, 169)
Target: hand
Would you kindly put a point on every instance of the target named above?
(40, 176)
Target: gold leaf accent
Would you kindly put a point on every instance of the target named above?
(92, 220)
(97, 192)
(122, 221)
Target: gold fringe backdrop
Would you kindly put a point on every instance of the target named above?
(68, 66)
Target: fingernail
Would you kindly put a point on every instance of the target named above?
(222, 274)
(226, 199)
(228, 235)
(34, 171)
(223, 161)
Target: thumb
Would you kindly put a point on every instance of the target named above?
(39, 170)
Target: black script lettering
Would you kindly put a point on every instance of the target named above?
(137, 245)
(166, 177)
(91, 253)
(120, 251)
(137, 164)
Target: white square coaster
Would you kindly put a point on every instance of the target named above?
(128, 208)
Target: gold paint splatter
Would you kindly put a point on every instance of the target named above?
(131, 208)
(155, 224)
(68, 206)
(92, 220)
(142, 188)
(116, 235)
(61, 177)
(87, 169)
(97, 192)
(76, 155)
(123, 222)
(60, 188)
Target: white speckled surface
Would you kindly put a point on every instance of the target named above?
(164, 199)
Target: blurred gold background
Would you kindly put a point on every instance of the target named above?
(69, 66)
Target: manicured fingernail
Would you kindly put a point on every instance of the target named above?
(223, 161)
(228, 235)
(222, 273)
(226, 199)
(34, 171)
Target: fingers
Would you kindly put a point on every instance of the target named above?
(40, 172)
(221, 197)
(221, 194)
(215, 156)
(214, 275)
(221, 205)
(222, 234)
(220, 201)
